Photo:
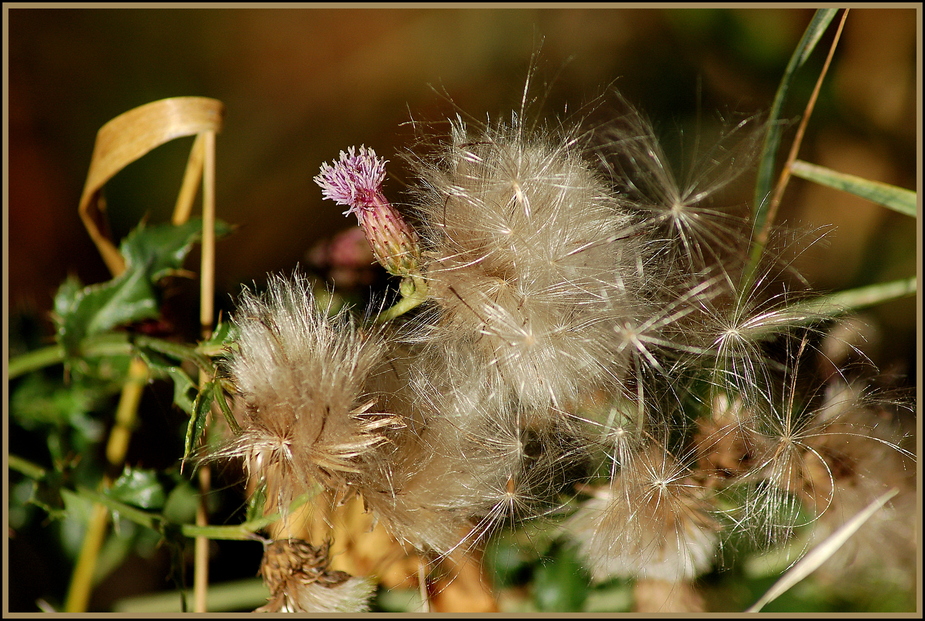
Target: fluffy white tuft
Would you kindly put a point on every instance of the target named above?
(300, 376)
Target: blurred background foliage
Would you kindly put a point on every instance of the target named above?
(301, 84)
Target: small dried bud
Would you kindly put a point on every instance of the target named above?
(299, 580)
(356, 181)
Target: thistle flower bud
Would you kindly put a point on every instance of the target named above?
(356, 181)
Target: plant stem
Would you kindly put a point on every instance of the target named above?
(206, 312)
(35, 360)
(81, 586)
(102, 345)
(78, 595)
(26, 467)
(413, 290)
(154, 521)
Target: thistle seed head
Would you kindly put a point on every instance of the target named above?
(300, 376)
(299, 580)
(529, 261)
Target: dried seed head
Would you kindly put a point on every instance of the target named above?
(432, 479)
(650, 523)
(297, 575)
(677, 204)
(300, 378)
(530, 261)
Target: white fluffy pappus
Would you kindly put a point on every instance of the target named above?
(862, 443)
(432, 479)
(828, 459)
(651, 522)
(300, 374)
(530, 260)
(678, 204)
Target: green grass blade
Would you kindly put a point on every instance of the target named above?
(861, 297)
(766, 169)
(898, 199)
(229, 596)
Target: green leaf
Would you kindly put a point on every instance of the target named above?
(898, 199)
(182, 503)
(560, 584)
(858, 298)
(60, 415)
(67, 295)
(139, 516)
(39, 401)
(161, 249)
(140, 488)
(199, 418)
(97, 308)
(613, 596)
(163, 365)
(221, 397)
(46, 493)
(766, 168)
(222, 336)
(150, 254)
(183, 386)
(178, 351)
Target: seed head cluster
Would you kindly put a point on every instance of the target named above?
(580, 341)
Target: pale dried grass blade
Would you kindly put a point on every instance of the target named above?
(191, 177)
(207, 275)
(126, 138)
(821, 553)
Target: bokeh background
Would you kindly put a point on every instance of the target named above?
(301, 84)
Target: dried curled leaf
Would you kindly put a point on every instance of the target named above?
(131, 135)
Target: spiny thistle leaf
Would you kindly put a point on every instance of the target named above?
(97, 308)
(139, 487)
(182, 385)
(151, 253)
(161, 249)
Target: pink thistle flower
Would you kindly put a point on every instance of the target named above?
(356, 180)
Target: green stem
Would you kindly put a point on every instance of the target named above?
(106, 344)
(26, 467)
(230, 596)
(841, 302)
(156, 522)
(413, 290)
